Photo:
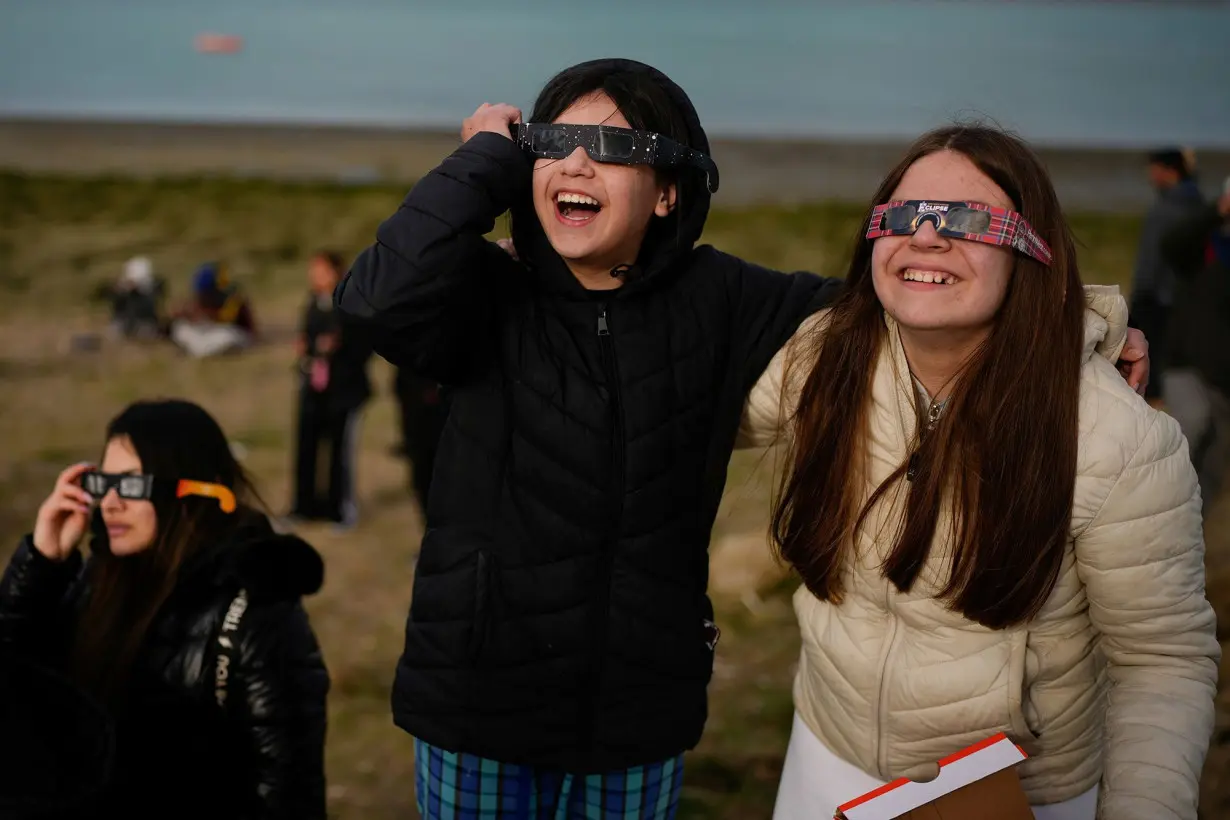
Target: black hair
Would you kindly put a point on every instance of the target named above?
(1172, 158)
(179, 439)
(647, 106)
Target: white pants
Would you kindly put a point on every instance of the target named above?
(815, 782)
(200, 339)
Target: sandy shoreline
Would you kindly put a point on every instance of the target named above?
(752, 171)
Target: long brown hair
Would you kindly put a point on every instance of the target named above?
(174, 439)
(1005, 450)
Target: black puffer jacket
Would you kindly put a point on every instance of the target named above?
(178, 753)
(559, 615)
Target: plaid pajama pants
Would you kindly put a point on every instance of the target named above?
(454, 786)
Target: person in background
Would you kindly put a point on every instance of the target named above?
(218, 319)
(185, 622)
(333, 387)
(424, 409)
(136, 301)
(1197, 386)
(1171, 173)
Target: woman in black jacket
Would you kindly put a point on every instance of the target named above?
(185, 622)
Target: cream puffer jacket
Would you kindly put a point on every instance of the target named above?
(1114, 680)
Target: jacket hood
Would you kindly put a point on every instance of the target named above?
(268, 564)
(1106, 322)
(279, 566)
(661, 250)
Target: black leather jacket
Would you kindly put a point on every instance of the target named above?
(178, 753)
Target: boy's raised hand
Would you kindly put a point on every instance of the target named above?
(495, 118)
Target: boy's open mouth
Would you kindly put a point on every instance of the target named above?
(576, 209)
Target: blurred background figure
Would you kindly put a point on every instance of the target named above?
(136, 301)
(423, 409)
(1197, 379)
(1171, 173)
(218, 317)
(333, 387)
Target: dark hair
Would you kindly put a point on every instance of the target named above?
(333, 259)
(174, 439)
(646, 104)
(1005, 450)
(1173, 159)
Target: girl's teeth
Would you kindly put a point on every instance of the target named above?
(927, 277)
(577, 199)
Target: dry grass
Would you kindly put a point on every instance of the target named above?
(59, 238)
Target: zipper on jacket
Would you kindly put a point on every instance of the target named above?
(881, 748)
(600, 613)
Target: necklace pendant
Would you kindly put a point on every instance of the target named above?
(933, 415)
(911, 469)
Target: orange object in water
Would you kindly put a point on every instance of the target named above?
(219, 43)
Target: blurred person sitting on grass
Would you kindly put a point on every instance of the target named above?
(218, 317)
(995, 533)
(1197, 380)
(333, 387)
(136, 301)
(185, 621)
(560, 639)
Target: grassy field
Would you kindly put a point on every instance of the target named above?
(59, 238)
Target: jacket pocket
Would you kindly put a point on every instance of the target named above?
(483, 576)
(1018, 647)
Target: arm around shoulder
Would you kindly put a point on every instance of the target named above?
(768, 307)
(772, 401)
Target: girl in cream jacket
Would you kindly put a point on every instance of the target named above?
(995, 533)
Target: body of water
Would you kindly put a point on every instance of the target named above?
(1115, 74)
